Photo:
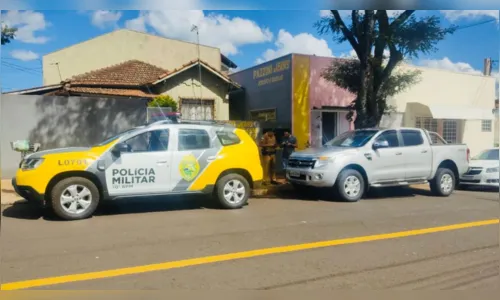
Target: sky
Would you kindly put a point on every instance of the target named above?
(248, 37)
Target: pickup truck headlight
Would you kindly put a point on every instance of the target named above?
(322, 161)
(31, 163)
(492, 170)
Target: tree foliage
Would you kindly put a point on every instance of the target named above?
(163, 101)
(372, 77)
(8, 34)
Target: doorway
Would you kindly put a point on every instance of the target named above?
(329, 126)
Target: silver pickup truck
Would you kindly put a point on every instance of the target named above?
(357, 160)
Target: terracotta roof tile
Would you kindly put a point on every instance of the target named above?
(110, 91)
(129, 73)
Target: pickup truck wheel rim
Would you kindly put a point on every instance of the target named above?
(352, 186)
(234, 191)
(446, 183)
(76, 199)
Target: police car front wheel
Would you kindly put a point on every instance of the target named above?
(232, 191)
(74, 198)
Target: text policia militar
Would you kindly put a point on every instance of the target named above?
(125, 178)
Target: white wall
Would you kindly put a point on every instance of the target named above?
(452, 89)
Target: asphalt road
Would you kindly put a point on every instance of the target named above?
(137, 233)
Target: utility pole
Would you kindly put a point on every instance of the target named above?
(195, 28)
(488, 66)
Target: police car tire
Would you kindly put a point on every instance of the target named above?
(219, 191)
(59, 188)
(340, 189)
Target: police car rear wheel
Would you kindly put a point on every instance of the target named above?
(232, 191)
(74, 198)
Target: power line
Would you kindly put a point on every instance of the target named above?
(20, 68)
(476, 24)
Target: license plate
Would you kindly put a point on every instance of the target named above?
(294, 174)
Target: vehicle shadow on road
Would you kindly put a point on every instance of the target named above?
(289, 193)
(26, 211)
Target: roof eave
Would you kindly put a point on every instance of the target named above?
(226, 61)
(173, 74)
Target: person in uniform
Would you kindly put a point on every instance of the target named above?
(268, 149)
(289, 144)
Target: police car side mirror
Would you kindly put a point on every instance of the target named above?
(119, 148)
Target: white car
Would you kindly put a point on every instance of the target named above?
(483, 170)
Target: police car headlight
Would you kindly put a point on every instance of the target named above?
(31, 163)
(492, 170)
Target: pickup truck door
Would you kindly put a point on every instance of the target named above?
(387, 163)
(145, 168)
(418, 154)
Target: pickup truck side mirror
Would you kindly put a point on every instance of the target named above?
(119, 148)
(380, 144)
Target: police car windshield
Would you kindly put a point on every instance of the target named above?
(357, 138)
(110, 139)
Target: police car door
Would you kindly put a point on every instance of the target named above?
(145, 168)
(194, 153)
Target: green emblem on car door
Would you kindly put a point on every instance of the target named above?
(189, 167)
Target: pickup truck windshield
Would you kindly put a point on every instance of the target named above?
(491, 154)
(357, 138)
(110, 139)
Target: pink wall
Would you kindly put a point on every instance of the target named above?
(322, 92)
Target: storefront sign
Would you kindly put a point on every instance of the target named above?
(263, 115)
(270, 73)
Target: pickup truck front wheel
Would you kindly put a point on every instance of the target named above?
(350, 185)
(443, 183)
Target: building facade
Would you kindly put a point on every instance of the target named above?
(458, 106)
(111, 65)
(290, 93)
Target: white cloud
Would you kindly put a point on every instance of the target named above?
(215, 29)
(105, 18)
(447, 64)
(454, 15)
(138, 24)
(303, 43)
(24, 55)
(28, 24)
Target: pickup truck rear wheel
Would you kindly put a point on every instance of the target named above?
(232, 191)
(74, 198)
(443, 183)
(350, 185)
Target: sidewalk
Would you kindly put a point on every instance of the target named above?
(9, 196)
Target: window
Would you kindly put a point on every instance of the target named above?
(355, 138)
(196, 109)
(193, 139)
(151, 141)
(412, 137)
(491, 154)
(428, 124)
(486, 125)
(391, 136)
(450, 129)
(228, 138)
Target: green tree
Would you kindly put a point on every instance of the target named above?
(8, 34)
(163, 101)
(372, 77)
